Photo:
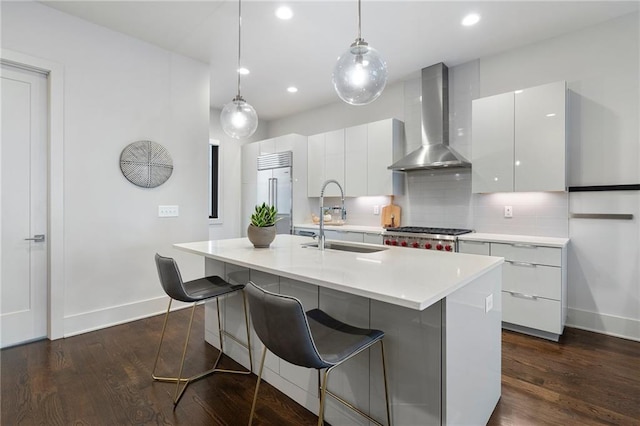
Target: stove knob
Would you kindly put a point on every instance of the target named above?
(439, 247)
(415, 244)
(387, 242)
(394, 243)
(447, 247)
(427, 246)
(403, 244)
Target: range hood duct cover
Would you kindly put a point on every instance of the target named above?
(434, 153)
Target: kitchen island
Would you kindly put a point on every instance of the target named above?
(440, 312)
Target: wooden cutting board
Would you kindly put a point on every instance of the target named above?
(390, 216)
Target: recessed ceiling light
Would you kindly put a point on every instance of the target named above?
(284, 13)
(471, 19)
(292, 89)
(517, 92)
(243, 71)
(551, 114)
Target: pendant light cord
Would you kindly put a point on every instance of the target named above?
(239, 42)
(359, 24)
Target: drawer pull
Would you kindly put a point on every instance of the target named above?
(527, 264)
(523, 296)
(474, 242)
(523, 245)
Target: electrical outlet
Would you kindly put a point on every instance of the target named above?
(508, 211)
(488, 303)
(376, 209)
(168, 211)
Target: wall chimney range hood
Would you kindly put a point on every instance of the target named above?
(434, 153)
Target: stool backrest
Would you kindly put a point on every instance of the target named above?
(281, 324)
(170, 278)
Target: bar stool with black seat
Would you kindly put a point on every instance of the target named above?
(310, 339)
(196, 291)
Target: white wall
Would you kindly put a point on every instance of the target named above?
(118, 90)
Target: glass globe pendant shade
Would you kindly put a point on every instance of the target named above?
(239, 119)
(360, 74)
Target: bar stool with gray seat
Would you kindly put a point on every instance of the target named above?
(195, 291)
(312, 339)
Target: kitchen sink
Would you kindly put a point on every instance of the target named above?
(333, 245)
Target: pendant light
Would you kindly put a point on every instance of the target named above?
(238, 118)
(360, 74)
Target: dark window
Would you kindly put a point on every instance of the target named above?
(213, 181)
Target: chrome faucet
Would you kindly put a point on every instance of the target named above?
(343, 216)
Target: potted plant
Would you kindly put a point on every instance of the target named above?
(262, 229)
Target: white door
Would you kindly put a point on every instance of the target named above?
(23, 284)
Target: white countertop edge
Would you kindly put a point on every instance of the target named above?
(345, 227)
(507, 238)
(385, 298)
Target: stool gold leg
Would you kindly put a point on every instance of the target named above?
(221, 333)
(164, 327)
(246, 323)
(386, 386)
(179, 392)
(255, 394)
(323, 395)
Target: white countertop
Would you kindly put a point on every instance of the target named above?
(515, 239)
(411, 278)
(344, 227)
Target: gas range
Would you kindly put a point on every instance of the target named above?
(442, 239)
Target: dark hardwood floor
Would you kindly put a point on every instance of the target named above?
(103, 378)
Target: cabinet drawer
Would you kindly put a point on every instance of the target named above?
(541, 314)
(533, 280)
(474, 247)
(372, 239)
(528, 253)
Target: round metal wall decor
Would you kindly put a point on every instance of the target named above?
(146, 164)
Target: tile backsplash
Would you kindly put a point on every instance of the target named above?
(444, 198)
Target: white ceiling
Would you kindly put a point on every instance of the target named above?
(302, 51)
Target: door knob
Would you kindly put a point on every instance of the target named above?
(38, 238)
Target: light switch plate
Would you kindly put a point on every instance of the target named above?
(168, 211)
(508, 211)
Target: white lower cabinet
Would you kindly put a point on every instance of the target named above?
(372, 238)
(534, 286)
(306, 379)
(350, 381)
(474, 247)
(332, 234)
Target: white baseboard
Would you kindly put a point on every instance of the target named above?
(626, 328)
(115, 315)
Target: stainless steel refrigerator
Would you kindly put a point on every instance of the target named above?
(275, 187)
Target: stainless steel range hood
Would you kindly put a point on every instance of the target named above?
(435, 152)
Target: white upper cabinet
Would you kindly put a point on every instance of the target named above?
(315, 164)
(540, 147)
(519, 140)
(334, 161)
(358, 158)
(492, 149)
(267, 146)
(355, 150)
(385, 146)
(325, 160)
